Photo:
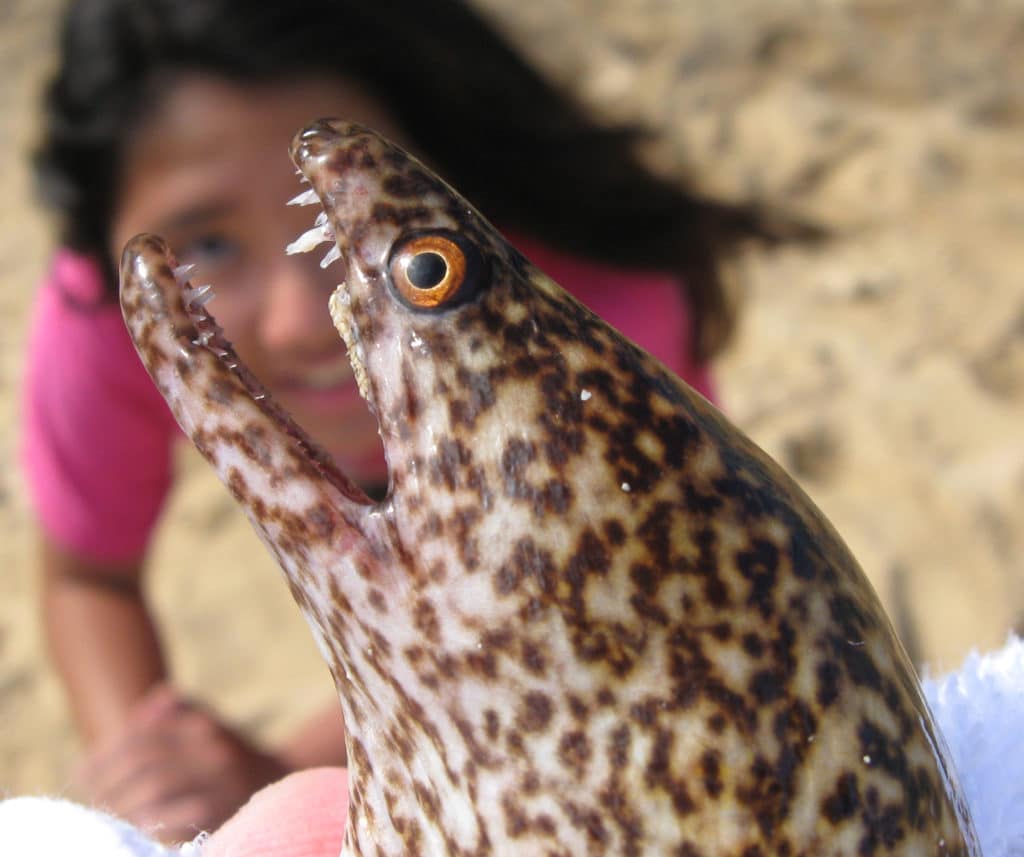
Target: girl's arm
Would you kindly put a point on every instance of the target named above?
(102, 638)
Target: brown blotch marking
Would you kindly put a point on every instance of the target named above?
(483, 663)
(535, 712)
(618, 746)
(222, 391)
(767, 791)
(766, 686)
(711, 768)
(759, 564)
(591, 557)
(645, 578)
(500, 639)
(399, 739)
(322, 522)
(492, 725)
(183, 366)
(339, 599)
(428, 800)
(514, 743)
(658, 774)
(614, 532)
(438, 572)
(527, 563)
(553, 497)
(881, 824)
(377, 600)
(445, 467)
(533, 658)
(433, 523)
(844, 800)
(829, 676)
(589, 821)
(578, 708)
(516, 821)
(238, 487)
(752, 644)
(464, 521)
(479, 395)
(408, 184)
(477, 752)
(254, 442)
(411, 406)
(574, 751)
(617, 804)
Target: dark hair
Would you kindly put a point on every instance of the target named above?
(521, 151)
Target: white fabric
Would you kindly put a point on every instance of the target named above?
(50, 827)
(979, 709)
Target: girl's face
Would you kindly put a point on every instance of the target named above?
(209, 171)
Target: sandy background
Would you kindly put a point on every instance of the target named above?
(884, 368)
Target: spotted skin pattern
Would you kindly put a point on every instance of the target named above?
(590, 617)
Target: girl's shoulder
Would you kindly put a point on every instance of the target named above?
(649, 307)
(96, 434)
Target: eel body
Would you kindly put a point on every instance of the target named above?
(590, 617)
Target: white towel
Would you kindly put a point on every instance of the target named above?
(979, 709)
(51, 827)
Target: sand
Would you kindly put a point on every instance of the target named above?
(884, 367)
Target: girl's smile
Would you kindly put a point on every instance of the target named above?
(209, 170)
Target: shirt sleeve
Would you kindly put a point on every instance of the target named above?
(96, 435)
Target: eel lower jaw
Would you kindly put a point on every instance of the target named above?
(210, 337)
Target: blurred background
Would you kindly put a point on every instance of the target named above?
(883, 367)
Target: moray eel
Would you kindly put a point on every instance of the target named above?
(590, 617)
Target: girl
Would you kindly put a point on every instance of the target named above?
(173, 116)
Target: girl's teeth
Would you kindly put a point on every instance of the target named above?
(327, 376)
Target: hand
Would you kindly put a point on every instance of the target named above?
(174, 770)
(303, 815)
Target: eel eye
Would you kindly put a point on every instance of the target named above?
(434, 270)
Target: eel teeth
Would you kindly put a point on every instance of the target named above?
(183, 272)
(307, 197)
(200, 296)
(308, 240)
(333, 255)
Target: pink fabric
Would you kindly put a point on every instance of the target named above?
(649, 308)
(97, 437)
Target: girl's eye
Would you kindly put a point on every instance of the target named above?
(209, 251)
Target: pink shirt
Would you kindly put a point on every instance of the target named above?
(97, 436)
